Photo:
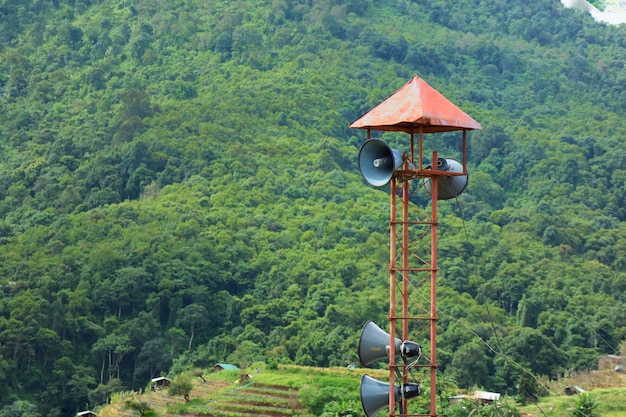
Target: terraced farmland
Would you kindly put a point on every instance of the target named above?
(256, 399)
(212, 397)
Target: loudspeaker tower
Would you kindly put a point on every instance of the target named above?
(416, 109)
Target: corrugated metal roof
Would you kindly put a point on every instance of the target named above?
(485, 395)
(416, 104)
(227, 366)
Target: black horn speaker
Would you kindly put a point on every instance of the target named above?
(374, 345)
(375, 394)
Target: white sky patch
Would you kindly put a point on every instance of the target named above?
(614, 13)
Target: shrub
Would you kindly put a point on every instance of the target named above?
(315, 399)
(585, 406)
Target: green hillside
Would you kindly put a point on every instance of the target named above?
(178, 187)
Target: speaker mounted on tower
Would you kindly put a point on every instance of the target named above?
(378, 162)
(374, 345)
(375, 394)
(449, 186)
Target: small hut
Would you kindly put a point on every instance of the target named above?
(483, 397)
(610, 362)
(456, 399)
(219, 367)
(87, 413)
(486, 397)
(573, 390)
(160, 383)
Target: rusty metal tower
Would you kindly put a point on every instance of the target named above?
(416, 109)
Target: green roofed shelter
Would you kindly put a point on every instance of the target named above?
(225, 367)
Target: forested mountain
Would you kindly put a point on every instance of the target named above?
(178, 187)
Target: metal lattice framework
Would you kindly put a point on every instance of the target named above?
(413, 280)
(413, 277)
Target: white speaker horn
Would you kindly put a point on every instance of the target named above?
(377, 162)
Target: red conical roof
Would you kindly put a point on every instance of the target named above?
(416, 104)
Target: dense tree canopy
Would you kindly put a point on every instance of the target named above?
(178, 187)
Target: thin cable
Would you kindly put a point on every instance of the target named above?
(494, 327)
(613, 348)
(491, 348)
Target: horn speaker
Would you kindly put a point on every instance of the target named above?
(374, 345)
(375, 394)
(449, 187)
(377, 162)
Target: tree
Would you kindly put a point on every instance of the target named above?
(102, 393)
(189, 316)
(175, 337)
(71, 36)
(528, 311)
(20, 409)
(470, 365)
(153, 358)
(181, 385)
(135, 103)
(143, 408)
(80, 385)
(113, 348)
(245, 354)
(527, 354)
(127, 287)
